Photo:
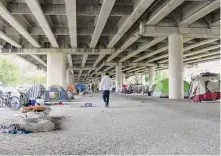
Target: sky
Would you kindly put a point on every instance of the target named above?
(213, 67)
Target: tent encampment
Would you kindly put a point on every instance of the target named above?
(162, 89)
(205, 87)
(56, 93)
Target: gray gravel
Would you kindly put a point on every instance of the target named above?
(132, 125)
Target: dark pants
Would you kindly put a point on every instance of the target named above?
(106, 95)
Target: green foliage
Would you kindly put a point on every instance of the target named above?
(9, 71)
(160, 75)
(34, 79)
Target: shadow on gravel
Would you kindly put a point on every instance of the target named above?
(58, 120)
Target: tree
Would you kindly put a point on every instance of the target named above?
(9, 71)
(160, 75)
(32, 79)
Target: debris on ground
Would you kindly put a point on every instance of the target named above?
(32, 120)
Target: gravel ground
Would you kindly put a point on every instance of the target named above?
(132, 125)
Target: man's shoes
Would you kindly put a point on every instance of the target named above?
(106, 104)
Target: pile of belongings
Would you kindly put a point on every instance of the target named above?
(33, 119)
(13, 129)
(35, 108)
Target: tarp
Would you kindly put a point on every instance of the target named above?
(80, 87)
(28, 122)
(35, 91)
(162, 89)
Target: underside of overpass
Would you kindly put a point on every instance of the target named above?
(96, 35)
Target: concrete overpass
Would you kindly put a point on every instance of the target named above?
(84, 38)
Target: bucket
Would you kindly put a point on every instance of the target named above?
(32, 102)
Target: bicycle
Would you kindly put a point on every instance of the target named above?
(12, 102)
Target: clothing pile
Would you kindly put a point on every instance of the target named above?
(30, 121)
(13, 129)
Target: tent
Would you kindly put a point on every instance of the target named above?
(71, 91)
(56, 93)
(205, 87)
(35, 92)
(80, 87)
(162, 89)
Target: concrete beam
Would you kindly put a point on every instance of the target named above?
(190, 53)
(100, 57)
(23, 59)
(143, 48)
(60, 10)
(127, 69)
(79, 51)
(125, 45)
(163, 11)
(106, 8)
(39, 60)
(201, 55)
(128, 64)
(203, 59)
(99, 68)
(6, 15)
(17, 45)
(85, 56)
(109, 68)
(140, 8)
(42, 21)
(202, 50)
(57, 31)
(84, 68)
(187, 32)
(138, 64)
(72, 21)
(201, 13)
(9, 40)
(215, 24)
(137, 69)
(158, 58)
(151, 54)
(199, 44)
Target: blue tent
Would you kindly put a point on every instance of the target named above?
(80, 87)
(56, 93)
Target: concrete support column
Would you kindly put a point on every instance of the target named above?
(69, 77)
(152, 75)
(102, 75)
(118, 80)
(176, 66)
(141, 78)
(124, 78)
(56, 69)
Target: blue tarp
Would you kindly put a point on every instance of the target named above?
(80, 87)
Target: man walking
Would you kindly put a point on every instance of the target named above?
(106, 85)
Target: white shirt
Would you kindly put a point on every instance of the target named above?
(106, 83)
